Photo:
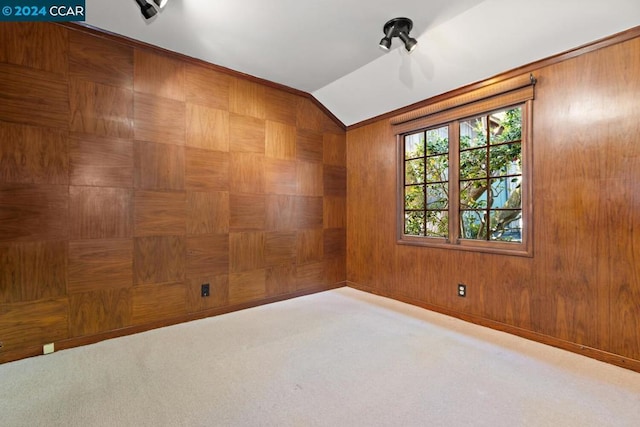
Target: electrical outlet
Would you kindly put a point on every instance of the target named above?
(204, 290)
(48, 348)
(462, 290)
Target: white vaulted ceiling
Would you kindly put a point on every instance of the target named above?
(329, 48)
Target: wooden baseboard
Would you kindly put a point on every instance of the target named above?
(593, 353)
(130, 330)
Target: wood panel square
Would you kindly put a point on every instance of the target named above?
(281, 106)
(207, 87)
(32, 324)
(100, 109)
(335, 243)
(247, 286)
(335, 181)
(96, 265)
(159, 75)
(246, 251)
(280, 141)
(208, 212)
(43, 46)
(100, 60)
(32, 271)
(207, 170)
(207, 255)
(308, 212)
(207, 128)
(159, 119)
(334, 149)
(310, 179)
(310, 246)
(247, 212)
(159, 302)
(309, 115)
(332, 124)
(100, 311)
(280, 176)
(246, 134)
(100, 161)
(159, 259)
(160, 213)
(33, 155)
(280, 213)
(309, 145)
(100, 212)
(247, 98)
(34, 212)
(218, 293)
(334, 212)
(281, 279)
(335, 271)
(247, 173)
(279, 248)
(33, 97)
(309, 276)
(159, 166)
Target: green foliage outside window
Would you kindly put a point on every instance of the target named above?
(490, 176)
(426, 183)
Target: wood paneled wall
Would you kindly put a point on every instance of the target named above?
(130, 176)
(581, 289)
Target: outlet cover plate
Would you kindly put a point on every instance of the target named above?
(462, 290)
(205, 290)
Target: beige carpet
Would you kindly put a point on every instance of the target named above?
(337, 358)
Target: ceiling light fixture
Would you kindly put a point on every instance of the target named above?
(150, 8)
(398, 27)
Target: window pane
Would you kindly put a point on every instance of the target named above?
(473, 225)
(506, 225)
(437, 196)
(473, 133)
(414, 197)
(438, 168)
(506, 125)
(414, 145)
(414, 223)
(506, 159)
(473, 164)
(437, 224)
(414, 171)
(438, 140)
(473, 194)
(505, 193)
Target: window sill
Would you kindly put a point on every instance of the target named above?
(499, 248)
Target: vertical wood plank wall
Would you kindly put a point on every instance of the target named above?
(581, 289)
(129, 177)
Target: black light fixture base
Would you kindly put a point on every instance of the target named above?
(398, 27)
(393, 27)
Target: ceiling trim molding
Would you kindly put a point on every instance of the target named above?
(525, 69)
(117, 38)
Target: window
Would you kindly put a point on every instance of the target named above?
(426, 183)
(465, 180)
